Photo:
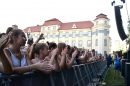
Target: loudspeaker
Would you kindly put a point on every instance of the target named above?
(128, 55)
(119, 23)
(125, 55)
(123, 61)
(123, 1)
(127, 73)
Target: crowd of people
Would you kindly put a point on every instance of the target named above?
(16, 58)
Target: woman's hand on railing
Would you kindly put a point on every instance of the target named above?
(44, 66)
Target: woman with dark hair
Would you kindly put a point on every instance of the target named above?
(8, 30)
(82, 58)
(20, 61)
(5, 63)
(44, 51)
(53, 55)
(62, 51)
(70, 59)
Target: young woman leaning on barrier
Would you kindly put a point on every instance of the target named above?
(20, 60)
(62, 51)
(54, 55)
(5, 64)
(70, 58)
(44, 52)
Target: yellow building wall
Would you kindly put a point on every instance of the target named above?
(53, 29)
(57, 39)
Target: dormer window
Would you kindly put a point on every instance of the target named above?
(54, 28)
(74, 26)
(29, 30)
(43, 28)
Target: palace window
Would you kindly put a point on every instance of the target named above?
(48, 35)
(60, 35)
(80, 34)
(54, 35)
(49, 28)
(89, 33)
(67, 34)
(73, 34)
(97, 23)
(96, 32)
(89, 43)
(96, 43)
(105, 42)
(73, 43)
(105, 22)
(54, 28)
(43, 28)
(80, 43)
(105, 32)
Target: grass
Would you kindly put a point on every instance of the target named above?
(110, 81)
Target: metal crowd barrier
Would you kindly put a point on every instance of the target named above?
(88, 74)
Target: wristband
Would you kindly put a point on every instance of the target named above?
(30, 68)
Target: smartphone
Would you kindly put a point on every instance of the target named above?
(43, 36)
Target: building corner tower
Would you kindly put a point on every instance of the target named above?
(100, 34)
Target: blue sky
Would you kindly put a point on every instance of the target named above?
(26, 13)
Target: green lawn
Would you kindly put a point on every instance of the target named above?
(110, 81)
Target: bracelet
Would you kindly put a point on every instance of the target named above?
(30, 68)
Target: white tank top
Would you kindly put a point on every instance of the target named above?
(16, 62)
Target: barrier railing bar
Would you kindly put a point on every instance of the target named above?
(87, 73)
(81, 76)
(76, 76)
(63, 79)
(30, 81)
(51, 79)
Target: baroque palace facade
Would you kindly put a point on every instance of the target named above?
(83, 34)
